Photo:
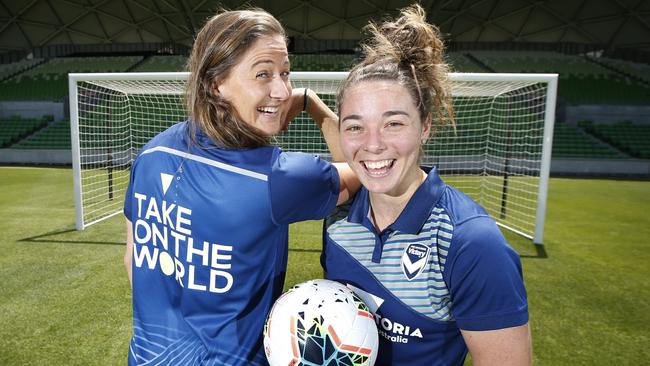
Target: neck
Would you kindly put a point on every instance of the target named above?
(386, 208)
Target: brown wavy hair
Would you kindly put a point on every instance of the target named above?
(410, 51)
(218, 47)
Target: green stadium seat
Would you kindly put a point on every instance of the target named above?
(55, 136)
(571, 142)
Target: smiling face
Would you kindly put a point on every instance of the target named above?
(381, 134)
(258, 85)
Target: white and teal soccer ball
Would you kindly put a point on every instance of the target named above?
(320, 322)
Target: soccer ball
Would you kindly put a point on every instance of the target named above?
(320, 322)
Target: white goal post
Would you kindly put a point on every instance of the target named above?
(499, 155)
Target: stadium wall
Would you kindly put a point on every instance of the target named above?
(600, 167)
(35, 157)
(607, 113)
(33, 109)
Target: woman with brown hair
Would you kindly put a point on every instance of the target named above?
(209, 200)
(429, 262)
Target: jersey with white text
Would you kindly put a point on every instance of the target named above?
(210, 249)
(442, 266)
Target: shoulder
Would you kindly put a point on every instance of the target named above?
(171, 137)
(473, 232)
(297, 161)
(301, 187)
(460, 207)
(300, 167)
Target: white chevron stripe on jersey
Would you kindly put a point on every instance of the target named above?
(201, 159)
(428, 294)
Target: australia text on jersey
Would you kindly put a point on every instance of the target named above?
(394, 331)
(161, 223)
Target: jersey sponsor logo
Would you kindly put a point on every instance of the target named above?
(389, 329)
(163, 240)
(414, 260)
(165, 181)
(394, 331)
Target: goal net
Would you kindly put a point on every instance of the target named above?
(499, 154)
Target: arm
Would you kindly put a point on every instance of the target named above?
(505, 347)
(328, 122)
(128, 253)
(488, 294)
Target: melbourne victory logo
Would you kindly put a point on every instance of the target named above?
(414, 260)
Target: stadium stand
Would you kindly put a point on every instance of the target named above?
(49, 81)
(162, 64)
(8, 70)
(538, 61)
(461, 63)
(572, 142)
(299, 62)
(589, 50)
(55, 135)
(321, 62)
(629, 137)
(581, 81)
(14, 129)
(632, 69)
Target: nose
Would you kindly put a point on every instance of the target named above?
(280, 88)
(374, 142)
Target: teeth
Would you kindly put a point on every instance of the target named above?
(377, 164)
(268, 109)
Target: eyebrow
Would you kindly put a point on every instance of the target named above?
(385, 114)
(267, 61)
(395, 113)
(351, 116)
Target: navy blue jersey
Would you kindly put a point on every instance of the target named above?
(442, 266)
(210, 232)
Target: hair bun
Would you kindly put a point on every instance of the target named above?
(408, 40)
(410, 51)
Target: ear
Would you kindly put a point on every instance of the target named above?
(426, 128)
(215, 87)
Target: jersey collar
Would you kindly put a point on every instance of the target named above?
(415, 214)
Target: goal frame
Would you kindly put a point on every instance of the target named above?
(549, 119)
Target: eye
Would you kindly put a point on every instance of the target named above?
(285, 74)
(262, 75)
(394, 124)
(353, 128)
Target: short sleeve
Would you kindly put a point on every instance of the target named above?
(484, 277)
(302, 187)
(129, 194)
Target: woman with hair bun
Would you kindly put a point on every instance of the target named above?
(430, 262)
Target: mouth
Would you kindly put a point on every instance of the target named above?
(268, 110)
(378, 168)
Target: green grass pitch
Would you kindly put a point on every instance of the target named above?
(65, 299)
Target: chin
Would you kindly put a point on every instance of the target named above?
(269, 127)
(377, 187)
(269, 130)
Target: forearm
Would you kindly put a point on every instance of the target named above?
(328, 123)
(128, 252)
